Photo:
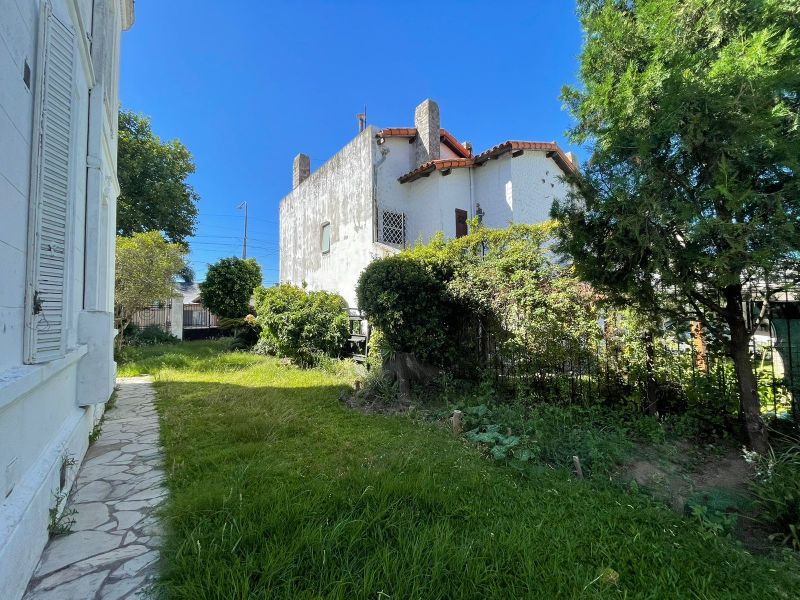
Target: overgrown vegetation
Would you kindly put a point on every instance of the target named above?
(300, 325)
(150, 335)
(278, 491)
(691, 199)
(777, 490)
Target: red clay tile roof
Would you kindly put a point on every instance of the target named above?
(445, 136)
(550, 148)
(429, 167)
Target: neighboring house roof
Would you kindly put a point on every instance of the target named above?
(442, 164)
(467, 160)
(551, 148)
(411, 132)
(445, 164)
(189, 291)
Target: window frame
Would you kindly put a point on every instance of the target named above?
(326, 226)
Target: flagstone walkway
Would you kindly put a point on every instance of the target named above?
(113, 550)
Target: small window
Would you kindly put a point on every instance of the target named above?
(461, 223)
(392, 228)
(325, 238)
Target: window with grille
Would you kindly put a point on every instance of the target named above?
(392, 228)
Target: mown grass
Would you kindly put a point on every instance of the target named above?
(278, 491)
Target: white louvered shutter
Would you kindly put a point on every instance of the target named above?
(50, 191)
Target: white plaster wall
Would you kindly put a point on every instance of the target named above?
(338, 192)
(428, 202)
(494, 191)
(537, 182)
(48, 410)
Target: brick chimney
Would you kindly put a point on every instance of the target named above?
(301, 169)
(426, 120)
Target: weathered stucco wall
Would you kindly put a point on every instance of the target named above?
(340, 193)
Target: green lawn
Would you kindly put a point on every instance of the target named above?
(278, 491)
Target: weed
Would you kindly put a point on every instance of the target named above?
(60, 522)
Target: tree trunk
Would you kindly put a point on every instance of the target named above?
(748, 387)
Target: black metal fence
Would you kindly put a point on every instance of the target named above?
(680, 369)
(158, 314)
(197, 316)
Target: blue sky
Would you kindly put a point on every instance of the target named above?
(247, 85)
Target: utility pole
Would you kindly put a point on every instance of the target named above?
(244, 240)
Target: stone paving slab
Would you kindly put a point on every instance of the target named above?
(113, 550)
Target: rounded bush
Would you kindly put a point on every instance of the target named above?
(301, 325)
(408, 304)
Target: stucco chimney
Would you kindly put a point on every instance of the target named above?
(426, 120)
(301, 169)
(572, 158)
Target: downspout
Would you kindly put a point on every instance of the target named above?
(471, 194)
(384, 153)
(88, 165)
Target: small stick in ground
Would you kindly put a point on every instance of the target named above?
(456, 422)
(578, 469)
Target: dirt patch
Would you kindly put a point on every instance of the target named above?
(683, 476)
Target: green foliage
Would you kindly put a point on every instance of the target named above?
(301, 325)
(433, 300)
(692, 111)
(552, 435)
(409, 304)
(154, 195)
(150, 335)
(146, 267)
(229, 285)
(777, 489)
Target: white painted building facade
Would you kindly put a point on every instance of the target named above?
(391, 188)
(59, 74)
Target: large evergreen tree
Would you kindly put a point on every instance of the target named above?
(154, 194)
(691, 198)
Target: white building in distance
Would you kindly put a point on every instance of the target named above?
(389, 188)
(59, 74)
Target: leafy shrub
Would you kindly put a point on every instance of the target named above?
(151, 335)
(777, 490)
(229, 285)
(300, 325)
(246, 331)
(410, 306)
(551, 434)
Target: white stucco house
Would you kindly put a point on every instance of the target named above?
(59, 74)
(392, 187)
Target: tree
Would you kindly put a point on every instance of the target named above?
(229, 285)
(691, 197)
(146, 268)
(154, 195)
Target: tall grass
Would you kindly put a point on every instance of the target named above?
(278, 491)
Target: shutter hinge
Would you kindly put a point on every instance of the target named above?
(37, 303)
